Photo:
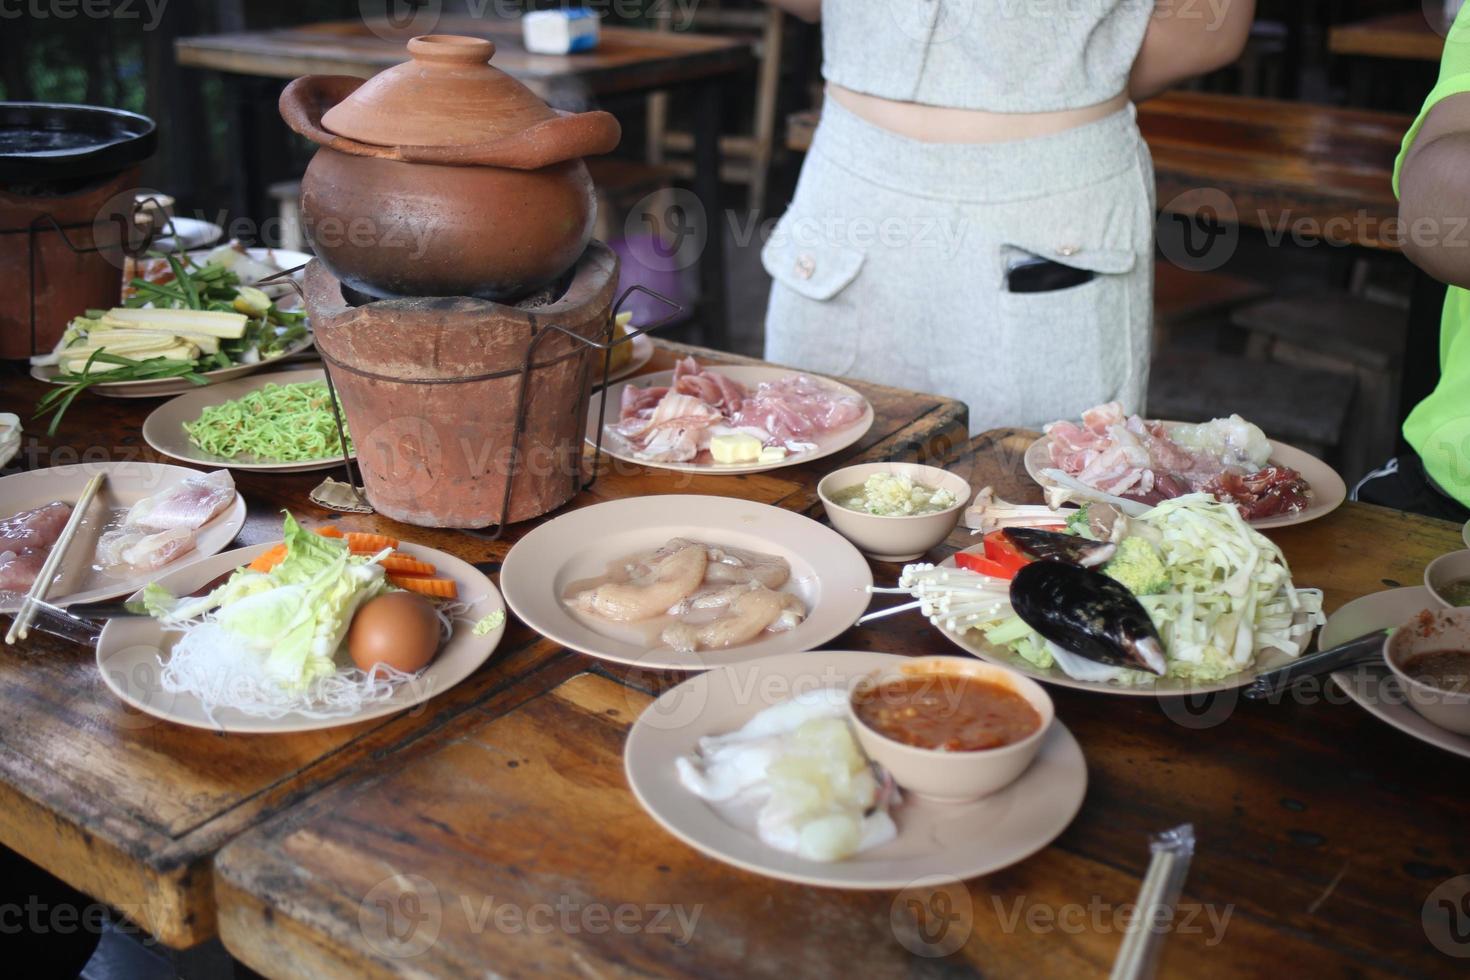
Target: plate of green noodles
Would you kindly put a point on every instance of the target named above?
(281, 422)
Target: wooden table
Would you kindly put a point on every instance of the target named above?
(1321, 830)
(627, 61)
(132, 810)
(1414, 35)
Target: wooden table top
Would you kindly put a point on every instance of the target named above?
(511, 829)
(1415, 35)
(1287, 168)
(132, 810)
(626, 60)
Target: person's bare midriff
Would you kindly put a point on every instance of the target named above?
(938, 124)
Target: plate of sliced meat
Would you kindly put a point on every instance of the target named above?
(729, 419)
(1136, 463)
(147, 517)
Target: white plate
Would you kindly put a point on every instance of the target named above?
(1465, 533)
(126, 484)
(951, 841)
(1328, 490)
(164, 427)
(173, 386)
(828, 573)
(641, 355)
(750, 376)
(973, 643)
(185, 234)
(128, 651)
(1374, 687)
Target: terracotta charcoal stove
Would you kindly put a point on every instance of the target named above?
(464, 321)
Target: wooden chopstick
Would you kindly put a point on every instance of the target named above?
(20, 626)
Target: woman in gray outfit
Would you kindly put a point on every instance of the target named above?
(975, 216)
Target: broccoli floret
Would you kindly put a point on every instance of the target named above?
(1079, 524)
(1138, 567)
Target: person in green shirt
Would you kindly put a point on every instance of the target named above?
(1432, 180)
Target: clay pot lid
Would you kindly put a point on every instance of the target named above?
(447, 95)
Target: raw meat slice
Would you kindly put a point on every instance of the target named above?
(18, 569)
(190, 504)
(137, 548)
(36, 528)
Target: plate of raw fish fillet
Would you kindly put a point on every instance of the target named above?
(669, 419)
(1142, 462)
(685, 582)
(147, 517)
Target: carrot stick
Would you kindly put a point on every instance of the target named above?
(439, 588)
(363, 542)
(329, 531)
(267, 560)
(399, 562)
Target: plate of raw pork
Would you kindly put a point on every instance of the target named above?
(669, 419)
(147, 517)
(1141, 462)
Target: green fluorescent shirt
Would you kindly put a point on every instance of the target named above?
(1439, 427)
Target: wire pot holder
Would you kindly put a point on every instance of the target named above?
(493, 532)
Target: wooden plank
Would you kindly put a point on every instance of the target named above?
(1416, 35)
(626, 60)
(132, 810)
(1321, 833)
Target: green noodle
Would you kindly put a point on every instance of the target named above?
(290, 423)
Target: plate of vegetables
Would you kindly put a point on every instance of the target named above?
(1185, 598)
(206, 319)
(323, 628)
(281, 422)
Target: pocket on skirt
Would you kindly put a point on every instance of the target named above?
(1067, 349)
(813, 316)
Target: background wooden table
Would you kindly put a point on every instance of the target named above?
(626, 61)
(508, 840)
(1416, 35)
(132, 810)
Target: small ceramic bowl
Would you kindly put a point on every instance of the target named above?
(1430, 631)
(1446, 570)
(893, 538)
(953, 777)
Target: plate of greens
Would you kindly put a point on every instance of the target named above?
(281, 422)
(184, 321)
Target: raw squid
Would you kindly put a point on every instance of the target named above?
(750, 610)
(190, 504)
(663, 580)
(717, 596)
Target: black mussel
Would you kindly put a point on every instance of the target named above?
(1087, 613)
(1042, 544)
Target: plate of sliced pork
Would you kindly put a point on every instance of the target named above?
(1135, 463)
(147, 517)
(729, 419)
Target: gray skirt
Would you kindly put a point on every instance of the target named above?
(890, 266)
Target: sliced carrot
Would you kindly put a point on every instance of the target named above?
(363, 542)
(404, 564)
(267, 560)
(329, 531)
(439, 588)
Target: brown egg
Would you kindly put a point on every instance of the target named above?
(398, 629)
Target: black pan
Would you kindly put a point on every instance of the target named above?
(44, 142)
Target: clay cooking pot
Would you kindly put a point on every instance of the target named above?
(444, 176)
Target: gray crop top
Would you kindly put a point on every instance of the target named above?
(994, 55)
